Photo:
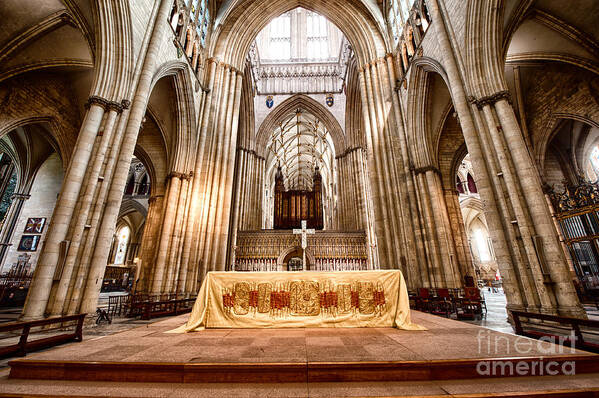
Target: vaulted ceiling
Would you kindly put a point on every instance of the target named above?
(301, 143)
(45, 35)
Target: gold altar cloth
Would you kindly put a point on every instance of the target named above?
(301, 299)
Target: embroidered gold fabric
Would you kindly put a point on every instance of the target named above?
(301, 299)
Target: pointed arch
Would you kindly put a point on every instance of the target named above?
(184, 137)
(241, 20)
(290, 105)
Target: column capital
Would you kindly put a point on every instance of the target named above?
(106, 104)
(154, 198)
(20, 196)
(250, 151)
(422, 170)
(491, 99)
(349, 150)
(176, 174)
(97, 100)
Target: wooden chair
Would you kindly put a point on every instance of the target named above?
(423, 301)
(471, 305)
(442, 304)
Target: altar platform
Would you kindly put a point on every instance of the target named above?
(289, 362)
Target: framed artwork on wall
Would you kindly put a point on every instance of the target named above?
(35, 225)
(29, 243)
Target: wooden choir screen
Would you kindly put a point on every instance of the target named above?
(291, 207)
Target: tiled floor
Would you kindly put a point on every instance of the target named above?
(496, 316)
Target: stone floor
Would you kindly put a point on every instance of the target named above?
(496, 315)
(444, 339)
(449, 388)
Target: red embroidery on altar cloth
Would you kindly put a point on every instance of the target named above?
(355, 299)
(379, 297)
(253, 302)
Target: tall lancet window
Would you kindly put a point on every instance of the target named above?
(280, 38)
(203, 22)
(397, 15)
(122, 244)
(317, 37)
(482, 246)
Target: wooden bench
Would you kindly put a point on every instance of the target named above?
(24, 346)
(154, 309)
(575, 324)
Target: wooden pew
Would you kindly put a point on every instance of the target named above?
(575, 324)
(24, 346)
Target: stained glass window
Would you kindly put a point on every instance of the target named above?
(398, 14)
(202, 22)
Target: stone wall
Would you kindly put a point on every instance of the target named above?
(44, 192)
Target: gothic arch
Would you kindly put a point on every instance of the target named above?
(309, 256)
(151, 168)
(131, 205)
(241, 20)
(488, 40)
(184, 137)
(540, 150)
(54, 134)
(421, 135)
(458, 157)
(290, 105)
(484, 41)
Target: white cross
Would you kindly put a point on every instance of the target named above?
(304, 232)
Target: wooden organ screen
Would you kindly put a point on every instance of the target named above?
(291, 207)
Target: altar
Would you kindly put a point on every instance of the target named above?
(301, 300)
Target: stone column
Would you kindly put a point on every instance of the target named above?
(456, 87)
(563, 287)
(168, 223)
(375, 166)
(85, 202)
(148, 244)
(541, 300)
(41, 284)
(456, 221)
(239, 172)
(173, 259)
(115, 193)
